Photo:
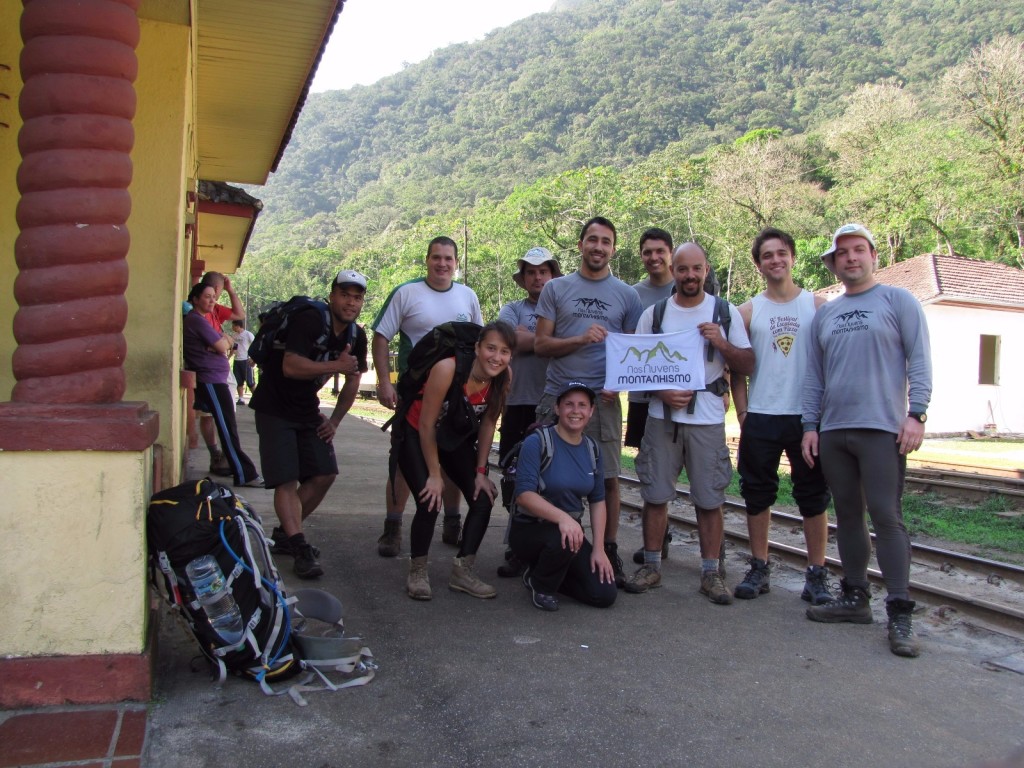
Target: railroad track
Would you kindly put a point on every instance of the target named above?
(984, 589)
(959, 480)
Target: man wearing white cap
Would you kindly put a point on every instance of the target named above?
(529, 372)
(296, 439)
(869, 358)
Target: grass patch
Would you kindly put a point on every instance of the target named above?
(924, 515)
(979, 526)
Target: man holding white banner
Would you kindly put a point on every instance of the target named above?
(686, 419)
(575, 314)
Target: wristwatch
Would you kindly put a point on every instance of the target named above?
(919, 416)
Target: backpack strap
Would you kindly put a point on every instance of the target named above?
(659, 315)
(595, 452)
(547, 454)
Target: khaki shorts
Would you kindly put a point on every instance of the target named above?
(668, 448)
(605, 427)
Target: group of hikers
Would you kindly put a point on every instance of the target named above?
(841, 388)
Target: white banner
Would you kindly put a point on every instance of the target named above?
(645, 362)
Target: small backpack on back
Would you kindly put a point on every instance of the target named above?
(454, 339)
(203, 518)
(274, 322)
(510, 464)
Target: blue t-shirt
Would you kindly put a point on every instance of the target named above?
(570, 477)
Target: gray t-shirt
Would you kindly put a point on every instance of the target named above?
(574, 303)
(528, 370)
(864, 350)
(649, 294)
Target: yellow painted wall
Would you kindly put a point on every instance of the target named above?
(163, 160)
(10, 86)
(73, 563)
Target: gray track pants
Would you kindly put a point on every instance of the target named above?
(864, 467)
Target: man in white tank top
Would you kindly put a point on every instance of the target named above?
(778, 322)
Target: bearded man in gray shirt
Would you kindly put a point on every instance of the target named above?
(575, 314)
(869, 356)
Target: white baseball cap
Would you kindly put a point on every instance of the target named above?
(350, 277)
(848, 229)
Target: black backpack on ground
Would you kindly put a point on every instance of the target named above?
(455, 339)
(510, 464)
(274, 322)
(199, 518)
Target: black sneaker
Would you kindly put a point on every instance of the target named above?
(451, 530)
(281, 544)
(306, 565)
(511, 568)
(816, 588)
(540, 600)
(902, 640)
(638, 556)
(612, 550)
(756, 582)
(852, 605)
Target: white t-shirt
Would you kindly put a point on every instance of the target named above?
(710, 409)
(414, 308)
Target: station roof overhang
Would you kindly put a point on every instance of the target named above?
(255, 62)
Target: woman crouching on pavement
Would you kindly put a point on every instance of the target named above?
(421, 459)
(547, 532)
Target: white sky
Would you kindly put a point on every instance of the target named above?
(373, 38)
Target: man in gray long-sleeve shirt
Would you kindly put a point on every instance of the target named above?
(869, 354)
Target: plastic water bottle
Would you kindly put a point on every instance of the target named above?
(217, 601)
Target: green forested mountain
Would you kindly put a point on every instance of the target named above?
(597, 83)
(710, 118)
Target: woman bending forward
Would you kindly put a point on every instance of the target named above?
(421, 460)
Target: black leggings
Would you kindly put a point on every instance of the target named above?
(221, 405)
(866, 471)
(553, 568)
(460, 466)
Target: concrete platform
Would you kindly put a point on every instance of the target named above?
(664, 678)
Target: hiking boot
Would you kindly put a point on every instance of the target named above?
(902, 640)
(540, 600)
(219, 464)
(463, 579)
(390, 542)
(638, 556)
(306, 565)
(852, 605)
(282, 545)
(646, 577)
(816, 588)
(417, 586)
(756, 582)
(711, 584)
(512, 567)
(451, 530)
(612, 550)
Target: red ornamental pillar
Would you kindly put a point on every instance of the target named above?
(78, 64)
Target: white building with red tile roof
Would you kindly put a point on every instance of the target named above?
(975, 312)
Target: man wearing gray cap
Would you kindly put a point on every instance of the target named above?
(296, 439)
(869, 358)
(529, 371)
